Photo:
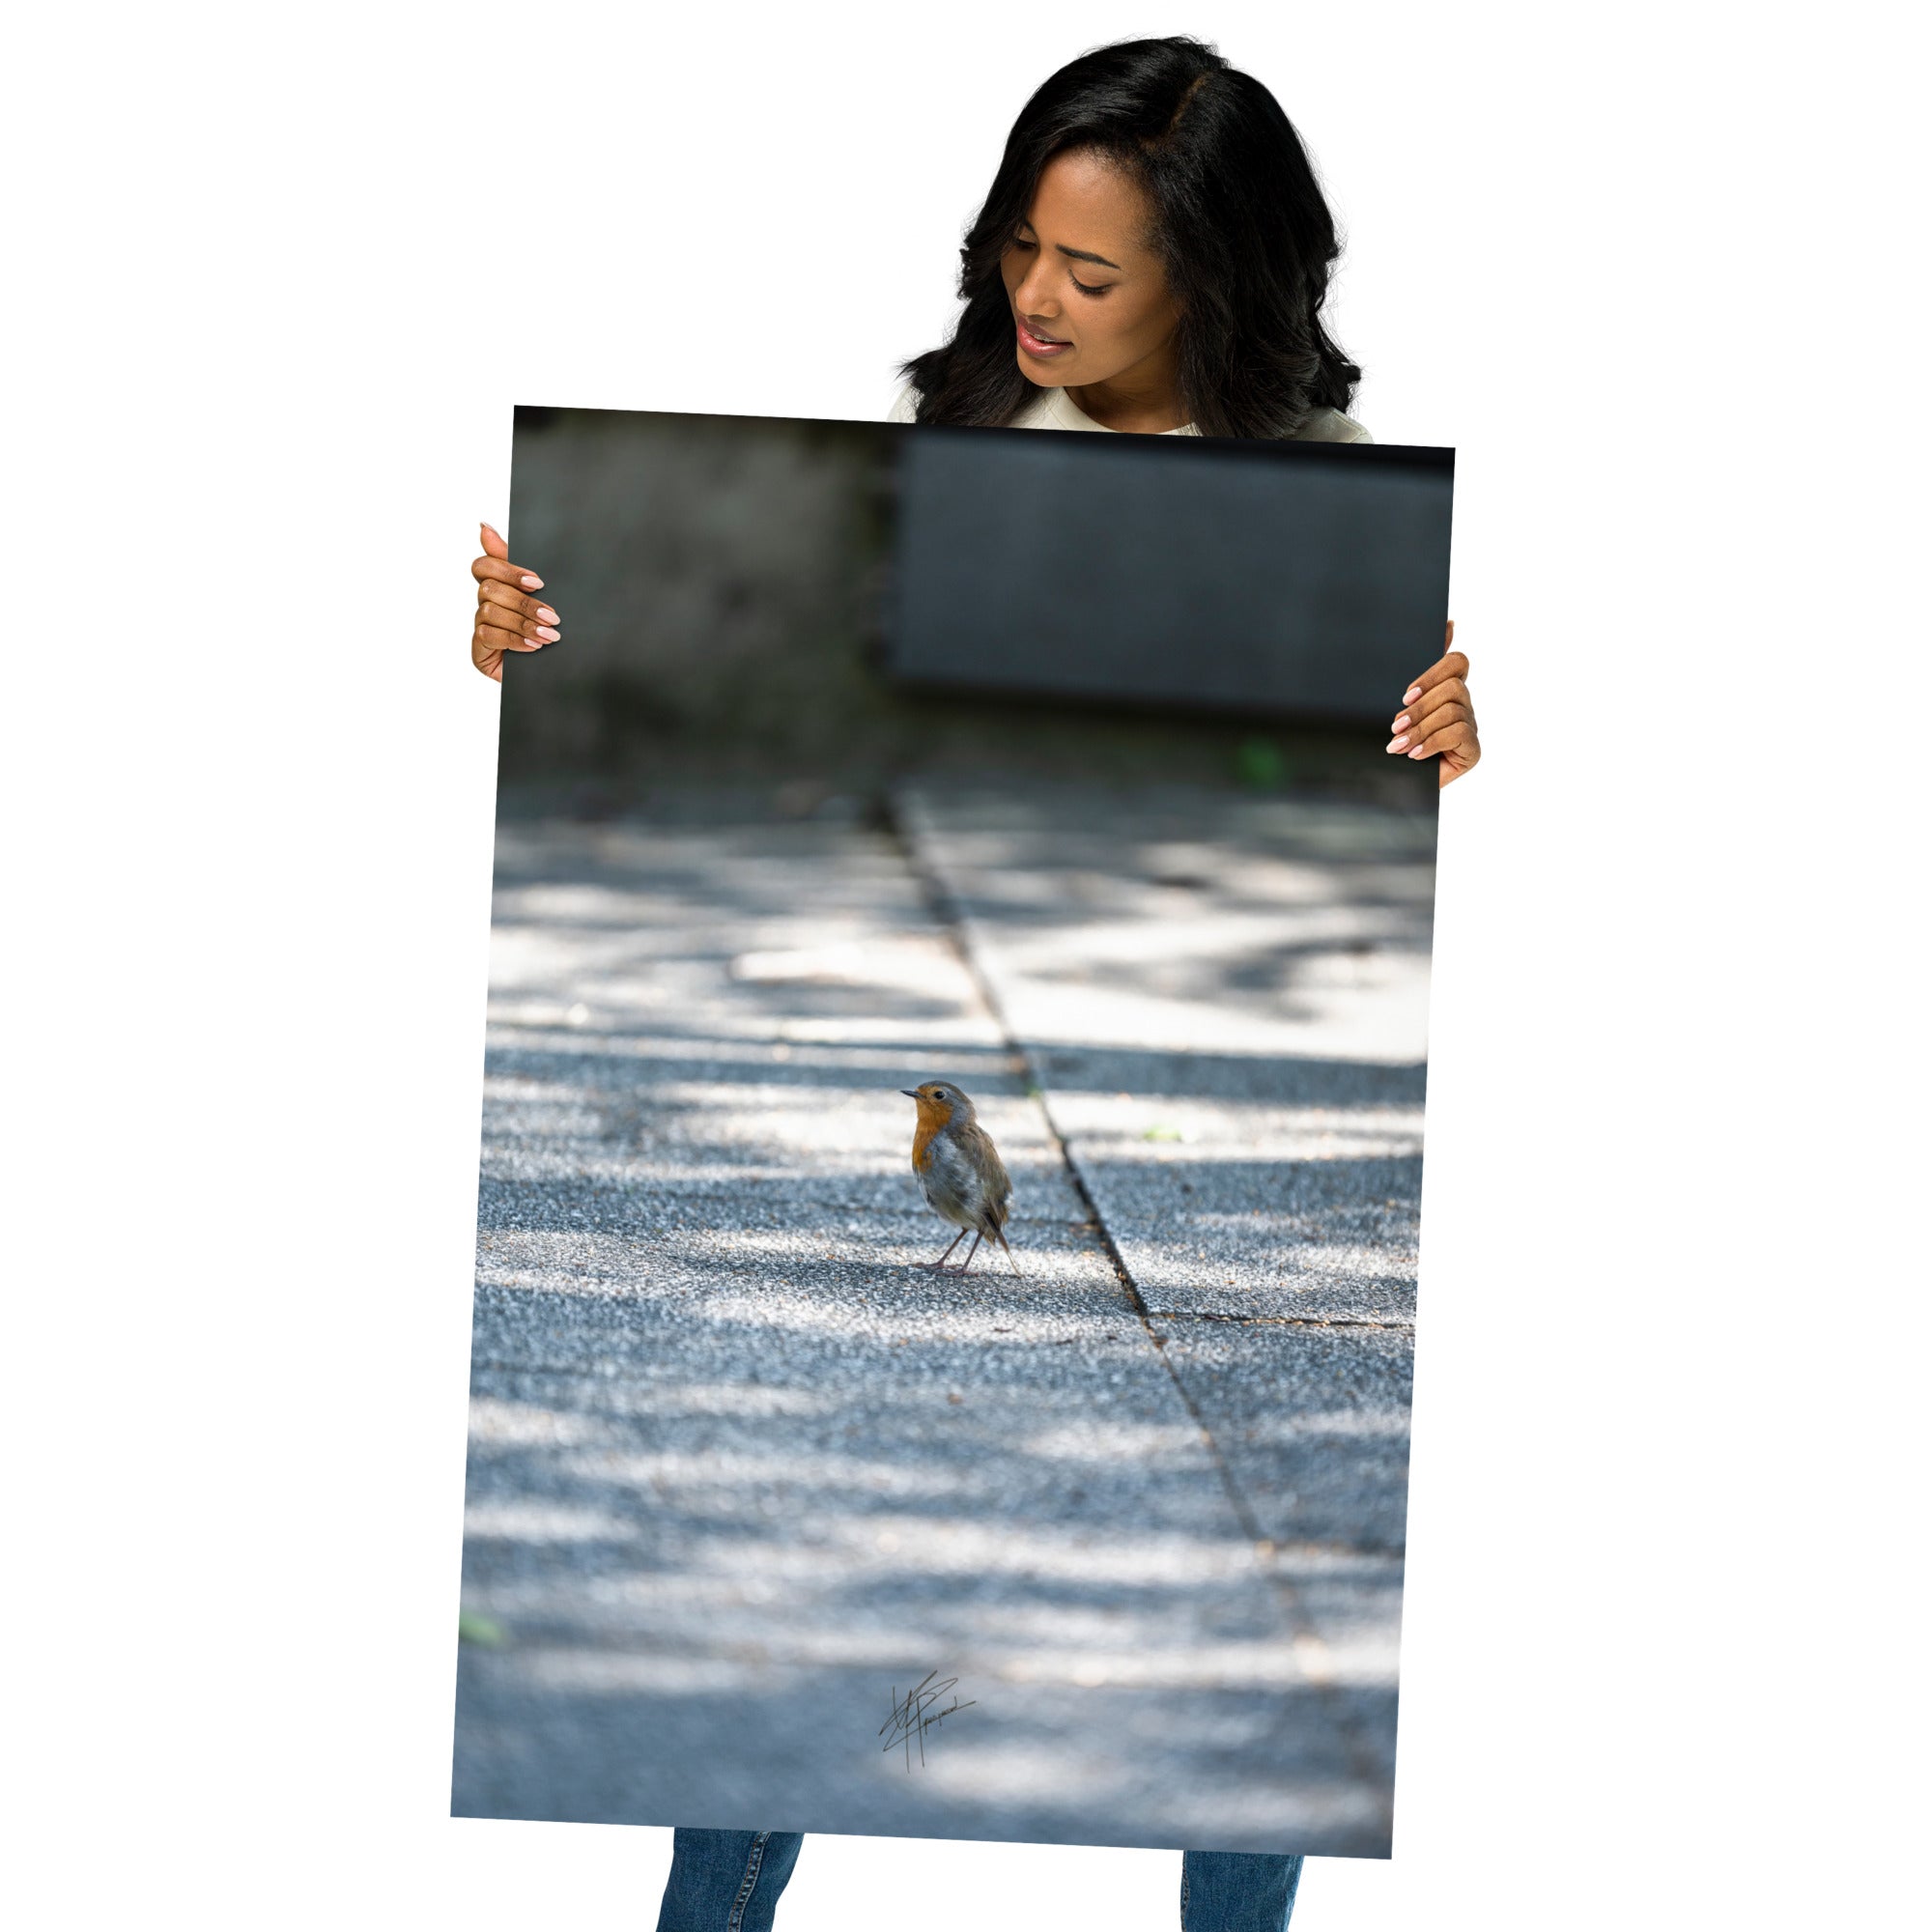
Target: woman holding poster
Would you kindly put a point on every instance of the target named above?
(1153, 258)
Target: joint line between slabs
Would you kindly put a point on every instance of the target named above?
(1311, 1651)
(1280, 1320)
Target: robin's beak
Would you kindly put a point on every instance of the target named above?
(911, 1093)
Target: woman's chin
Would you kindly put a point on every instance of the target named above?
(1040, 379)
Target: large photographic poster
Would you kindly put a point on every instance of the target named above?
(1020, 799)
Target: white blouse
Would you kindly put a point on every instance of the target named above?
(1055, 408)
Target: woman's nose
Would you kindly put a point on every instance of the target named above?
(1034, 295)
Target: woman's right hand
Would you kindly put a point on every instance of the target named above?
(506, 619)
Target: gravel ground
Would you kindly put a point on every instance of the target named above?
(742, 1473)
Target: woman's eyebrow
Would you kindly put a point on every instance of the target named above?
(1077, 254)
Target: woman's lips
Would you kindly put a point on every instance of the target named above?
(1041, 346)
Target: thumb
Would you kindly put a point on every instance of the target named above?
(492, 544)
(1448, 629)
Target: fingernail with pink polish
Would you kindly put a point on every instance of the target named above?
(1413, 692)
(1395, 743)
(1417, 752)
(536, 583)
(545, 614)
(1400, 723)
(549, 635)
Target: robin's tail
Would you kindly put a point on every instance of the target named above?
(1000, 1235)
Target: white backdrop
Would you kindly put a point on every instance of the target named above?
(280, 276)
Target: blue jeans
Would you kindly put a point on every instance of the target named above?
(730, 1881)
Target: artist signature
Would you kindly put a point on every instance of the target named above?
(914, 1714)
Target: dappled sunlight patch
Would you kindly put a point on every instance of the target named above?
(571, 1262)
(807, 1243)
(628, 1673)
(565, 903)
(1034, 1772)
(1181, 1132)
(521, 1090)
(1305, 1280)
(1116, 1442)
(1391, 1425)
(1064, 1553)
(526, 1425)
(725, 1476)
(501, 1423)
(1149, 935)
(1172, 1139)
(662, 1167)
(534, 962)
(1163, 1646)
(1069, 1780)
(553, 1110)
(921, 963)
(1298, 1255)
(894, 1325)
(535, 1521)
(1383, 1021)
(896, 1241)
(1271, 1662)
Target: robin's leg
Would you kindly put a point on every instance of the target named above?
(969, 1252)
(1010, 1263)
(940, 1263)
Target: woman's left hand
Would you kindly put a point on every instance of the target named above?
(1435, 719)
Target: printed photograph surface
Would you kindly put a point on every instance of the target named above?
(952, 1136)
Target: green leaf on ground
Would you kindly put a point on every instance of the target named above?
(1261, 763)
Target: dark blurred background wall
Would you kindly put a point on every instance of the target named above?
(719, 580)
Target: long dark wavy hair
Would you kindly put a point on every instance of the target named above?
(1240, 227)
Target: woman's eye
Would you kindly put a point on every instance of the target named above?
(1095, 289)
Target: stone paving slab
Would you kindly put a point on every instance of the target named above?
(739, 1463)
(756, 1227)
(1322, 1240)
(1190, 924)
(631, 1133)
(613, 1737)
(1312, 1421)
(1167, 962)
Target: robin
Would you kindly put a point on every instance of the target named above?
(959, 1170)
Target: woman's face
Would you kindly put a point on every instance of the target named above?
(1090, 301)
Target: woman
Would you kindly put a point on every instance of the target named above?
(1153, 258)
